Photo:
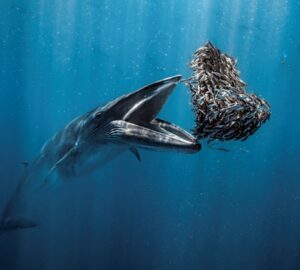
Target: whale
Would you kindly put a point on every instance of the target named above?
(128, 123)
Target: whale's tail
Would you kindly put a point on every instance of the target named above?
(11, 224)
(9, 220)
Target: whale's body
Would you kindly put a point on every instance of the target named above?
(91, 140)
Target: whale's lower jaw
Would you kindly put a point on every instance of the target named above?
(156, 135)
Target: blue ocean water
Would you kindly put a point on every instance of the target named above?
(211, 210)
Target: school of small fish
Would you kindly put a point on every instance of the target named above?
(223, 109)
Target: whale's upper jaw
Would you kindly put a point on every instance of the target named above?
(148, 101)
(135, 120)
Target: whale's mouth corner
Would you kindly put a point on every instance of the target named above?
(139, 125)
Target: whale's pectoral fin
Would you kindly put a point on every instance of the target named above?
(136, 153)
(25, 163)
(69, 156)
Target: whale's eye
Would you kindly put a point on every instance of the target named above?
(98, 114)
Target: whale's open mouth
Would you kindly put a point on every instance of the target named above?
(137, 123)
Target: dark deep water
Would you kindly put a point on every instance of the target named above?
(213, 210)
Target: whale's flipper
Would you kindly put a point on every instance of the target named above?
(136, 153)
(25, 163)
